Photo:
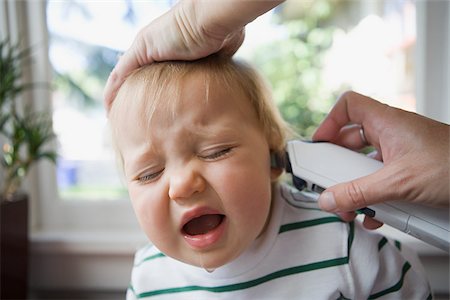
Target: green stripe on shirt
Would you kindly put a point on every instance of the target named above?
(351, 236)
(151, 257)
(396, 286)
(251, 283)
(398, 245)
(309, 223)
(381, 243)
(282, 273)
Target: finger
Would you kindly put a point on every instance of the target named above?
(371, 223)
(347, 216)
(126, 64)
(109, 93)
(351, 108)
(350, 196)
(350, 137)
(375, 154)
(233, 42)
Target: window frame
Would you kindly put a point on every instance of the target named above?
(433, 64)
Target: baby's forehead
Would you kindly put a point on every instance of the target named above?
(195, 100)
(160, 87)
(164, 78)
(167, 94)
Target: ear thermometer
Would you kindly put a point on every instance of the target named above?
(317, 166)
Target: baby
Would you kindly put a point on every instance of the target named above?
(195, 140)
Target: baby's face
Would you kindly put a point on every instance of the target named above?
(200, 178)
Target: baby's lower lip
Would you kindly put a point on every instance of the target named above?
(203, 241)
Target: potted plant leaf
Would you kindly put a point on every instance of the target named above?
(24, 135)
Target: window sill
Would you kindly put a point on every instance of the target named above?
(92, 243)
(95, 261)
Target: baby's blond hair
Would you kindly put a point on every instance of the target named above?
(157, 86)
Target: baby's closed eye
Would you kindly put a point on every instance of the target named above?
(216, 154)
(149, 176)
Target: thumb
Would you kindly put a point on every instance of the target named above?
(356, 194)
(233, 42)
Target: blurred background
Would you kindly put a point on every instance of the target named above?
(83, 232)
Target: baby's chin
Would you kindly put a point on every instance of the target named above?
(209, 261)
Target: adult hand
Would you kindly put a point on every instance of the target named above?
(413, 148)
(188, 31)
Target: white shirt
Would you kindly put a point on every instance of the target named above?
(304, 253)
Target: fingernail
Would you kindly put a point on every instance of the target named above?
(327, 202)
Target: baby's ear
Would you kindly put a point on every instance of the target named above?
(275, 173)
(277, 160)
(277, 163)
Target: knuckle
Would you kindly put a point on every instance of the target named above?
(356, 195)
(347, 95)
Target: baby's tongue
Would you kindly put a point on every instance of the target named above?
(202, 224)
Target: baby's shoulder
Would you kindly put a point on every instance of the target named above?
(147, 253)
(302, 212)
(301, 205)
(302, 220)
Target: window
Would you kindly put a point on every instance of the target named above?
(26, 20)
(86, 38)
(301, 53)
(326, 47)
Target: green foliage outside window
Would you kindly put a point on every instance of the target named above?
(294, 65)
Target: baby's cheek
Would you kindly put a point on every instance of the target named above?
(146, 209)
(251, 205)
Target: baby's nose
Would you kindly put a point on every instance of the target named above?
(185, 183)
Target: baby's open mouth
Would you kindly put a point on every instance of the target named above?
(203, 224)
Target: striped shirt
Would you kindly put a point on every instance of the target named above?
(304, 253)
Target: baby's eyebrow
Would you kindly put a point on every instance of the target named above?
(141, 157)
(215, 130)
(214, 136)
